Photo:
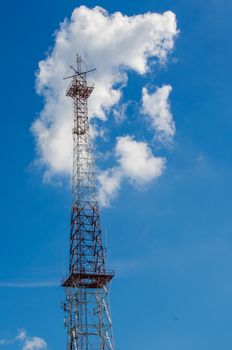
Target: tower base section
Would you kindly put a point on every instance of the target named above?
(88, 319)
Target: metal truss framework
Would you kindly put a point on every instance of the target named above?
(87, 311)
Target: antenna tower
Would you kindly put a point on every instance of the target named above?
(86, 307)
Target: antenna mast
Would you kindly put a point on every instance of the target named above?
(87, 312)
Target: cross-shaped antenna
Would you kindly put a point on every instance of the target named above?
(78, 69)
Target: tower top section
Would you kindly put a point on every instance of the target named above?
(79, 87)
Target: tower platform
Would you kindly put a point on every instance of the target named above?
(88, 279)
(79, 88)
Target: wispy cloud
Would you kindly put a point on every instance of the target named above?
(39, 284)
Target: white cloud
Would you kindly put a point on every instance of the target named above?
(110, 182)
(21, 335)
(112, 43)
(156, 105)
(28, 343)
(34, 343)
(135, 162)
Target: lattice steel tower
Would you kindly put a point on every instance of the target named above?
(87, 312)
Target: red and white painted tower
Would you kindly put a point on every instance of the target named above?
(87, 312)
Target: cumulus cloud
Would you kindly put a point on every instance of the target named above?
(135, 162)
(27, 343)
(114, 44)
(156, 105)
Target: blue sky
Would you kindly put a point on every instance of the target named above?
(170, 242)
